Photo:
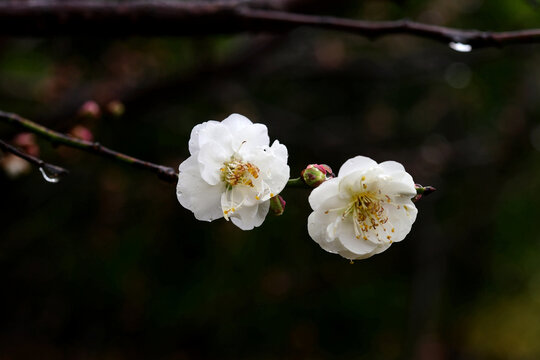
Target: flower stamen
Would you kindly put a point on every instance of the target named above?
(236, 172)
(368, 213)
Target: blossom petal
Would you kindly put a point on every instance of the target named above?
(247, 134)
(391, 167)
(397, 173)
(324, 224)
(238, 196)
(356, 163)
(400, 218)
(194, 137)
(274, 171)
(211, 158)
(277, 179)
(197, 195)
(328, 189)
(248, 217)
(397, 188)
(279, 150)
(348, 239)
(318, 223)
(379, 249)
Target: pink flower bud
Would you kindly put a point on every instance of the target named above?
(315, 174)
(90, 109)
(24, 139)
(277, 205)
(81, 132)
(27, 143)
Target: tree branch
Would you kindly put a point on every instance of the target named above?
(172, 18)
(49, 169)
(165, 173)
(267, 19)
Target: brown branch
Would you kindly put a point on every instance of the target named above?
(172, 18)
(266, 19)
(51, 170)
(163, 172)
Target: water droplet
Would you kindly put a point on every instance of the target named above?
(52, 177)
(460, 47)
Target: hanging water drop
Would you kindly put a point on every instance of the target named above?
(460, 47)
(50, 176)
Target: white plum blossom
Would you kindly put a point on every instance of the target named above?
(364, 209)
(232, 172)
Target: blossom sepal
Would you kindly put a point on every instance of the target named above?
(422, 191)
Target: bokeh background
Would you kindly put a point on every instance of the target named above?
(106, 264)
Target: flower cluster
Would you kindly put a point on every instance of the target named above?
(234, 173)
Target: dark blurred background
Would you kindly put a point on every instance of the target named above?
(106, 264)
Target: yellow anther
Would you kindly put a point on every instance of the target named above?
(236, 172)
(367, 212)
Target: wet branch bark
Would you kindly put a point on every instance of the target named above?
(164, 172)
(49, 168)
(174, 18)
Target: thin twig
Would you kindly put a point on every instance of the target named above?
(297, 183)
(163, 172)
(50, 169)
(173, 18)
(267, 19)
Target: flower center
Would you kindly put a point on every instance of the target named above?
(236, 172)
(368, 213)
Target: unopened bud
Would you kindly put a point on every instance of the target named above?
(315, 174)
(24, 139)
(81, 132)
(277, 205)
(116, 108)
(27, 143)
(422, 191)
(90, 109)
